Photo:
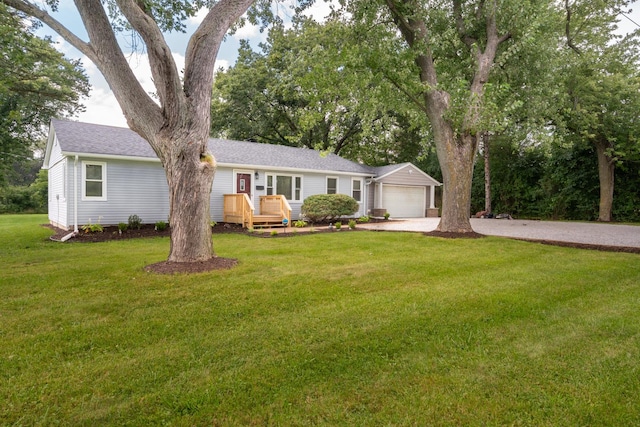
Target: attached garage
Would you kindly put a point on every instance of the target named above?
(404, 201)
(404, 191)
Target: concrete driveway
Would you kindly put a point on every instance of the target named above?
(573, 232)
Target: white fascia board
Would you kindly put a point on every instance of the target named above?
(292, 170)
(111, 157)
(224, 165)
(406, 165)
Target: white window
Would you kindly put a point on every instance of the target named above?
(356, 189)
(332, 185)
(289, 186)
(94, 181)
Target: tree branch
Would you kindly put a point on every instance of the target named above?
(163, 68)
(103, 50)
(462, 31)
(203, 46)
(33, 10)
(567, 29)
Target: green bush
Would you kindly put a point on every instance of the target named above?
(135, 222)
(93, 228)
(364, 219)
(327, 207)
(161, 226)
(122, 227)
(352, 224)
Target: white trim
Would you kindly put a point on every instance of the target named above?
(223, 165)
(274, 184)
(360, 180)
(102, 198)
(406, 165)
(111, 157)
(326, 184)
(424, 197)
(247, 172)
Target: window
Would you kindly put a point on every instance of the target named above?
(289, 186)
(332, 185)
(297, 188)
(356, 189)
(94, 177)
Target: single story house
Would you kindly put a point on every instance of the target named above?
(105, 174)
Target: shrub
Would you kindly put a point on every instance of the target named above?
(300, 224)
(274, 233)
(338, 225)
(135, 222)
(161, 226)
(326, 207)
(352, 224)
(364, 219)
(387, 215)
(92, 228)
(122, 227)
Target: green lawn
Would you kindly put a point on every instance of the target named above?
(350, 328)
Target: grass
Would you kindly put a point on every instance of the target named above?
(325, 329)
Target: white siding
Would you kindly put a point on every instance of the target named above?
(222, 184)
(58, 196)
(138, 188)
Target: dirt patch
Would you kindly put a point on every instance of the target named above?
(604, 248)
(215, 263)
(450, 235)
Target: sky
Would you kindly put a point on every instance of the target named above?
(101, 105)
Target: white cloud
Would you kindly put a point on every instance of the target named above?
(319, 11)
(249, 31)
(199, 16)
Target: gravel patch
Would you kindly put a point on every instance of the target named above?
(585, 233)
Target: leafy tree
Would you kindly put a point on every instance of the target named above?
(602, 84)
(36, 83)
(309, 87)
(440, 55)
(176, 123)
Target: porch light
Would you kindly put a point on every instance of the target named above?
(257, 175)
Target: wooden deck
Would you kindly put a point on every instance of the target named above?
(238, 209)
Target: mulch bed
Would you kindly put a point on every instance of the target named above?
(604, 248)
(215, 263)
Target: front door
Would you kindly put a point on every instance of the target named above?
(243, 184)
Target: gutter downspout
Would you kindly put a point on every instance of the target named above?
(75, 195)
(75, 202)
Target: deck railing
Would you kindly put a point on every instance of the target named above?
(238, 209)
(276, 205)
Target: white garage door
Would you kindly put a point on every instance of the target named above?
(404, 202)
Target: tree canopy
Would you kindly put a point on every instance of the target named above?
(36, 83)
(309, 87)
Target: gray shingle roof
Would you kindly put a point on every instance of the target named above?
(87, 138)
(384, 170)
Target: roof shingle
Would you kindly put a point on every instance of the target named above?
(87, 138)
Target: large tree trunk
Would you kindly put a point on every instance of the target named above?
(190, 178)
(176, 124)
(456, 155)
(606, 171)
(487, 172)
(456, 162)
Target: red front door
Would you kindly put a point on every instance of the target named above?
(243, 183)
